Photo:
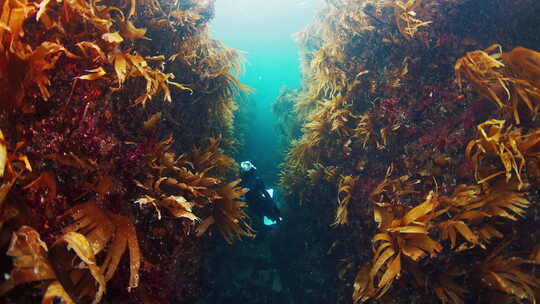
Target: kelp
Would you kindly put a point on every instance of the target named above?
(78, 272)
(74, 272)
(404, 232)
(30, 259)
(345, 193)
(100, 228)
(511, 74)
(54, 292)
(188, 182)
(443, 282)
(505, 274)
(3, 154)
(471, 211)
(483, 70)
(525, 63)
(405, 237)
(24, 66)
(127, 65)
(14, 166)
(228, 214)
(326, 174)
(283, 108)
(513, 149)
(406, 17)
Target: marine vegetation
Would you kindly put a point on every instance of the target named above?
(115, 149)
(420, 133)
(514, 73)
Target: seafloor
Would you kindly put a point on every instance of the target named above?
(412, 173)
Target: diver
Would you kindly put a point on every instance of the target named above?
(260, 202)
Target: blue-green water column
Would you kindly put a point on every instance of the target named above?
(264, 30)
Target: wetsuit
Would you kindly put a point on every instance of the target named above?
(259, 201)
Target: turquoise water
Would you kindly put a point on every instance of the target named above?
(264, 30)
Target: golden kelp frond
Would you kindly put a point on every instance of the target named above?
(364, 288)
(89, 11)
(178, 206)
(216, 64)
(450, 228)
(516, 151)
(77, 271)
(3, 154)
(317, 131)
(331, 116)
(204, 160)
(13, 15)
(320, 174)
(228, 214)
(401, 237)
(327, 81)
(30, 259)
(442, 282)
(447, 290)
(524, 63)
(170, 192)
(406, 17)
(484, 71)
(506, 274)
(496, 141)
(522, 92)
(471, 211)
(197, 184)
(179, 184)
(290, 177)
(535, 255)
(461, 197)
(365, 129)
(344, 196)
(127, 65)
(328, 121)
(54, 292)
(461, 216)
(302, 153)
(523, 69)
(13, 166)
(176, 178)
(27, 67)
(390, 191)
(502, 200)
(160, 156)
(516, 77)
(185, 18)
(101, 227)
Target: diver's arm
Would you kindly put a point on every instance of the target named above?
(260, 188)
(266, 194)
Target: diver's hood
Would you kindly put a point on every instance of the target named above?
(245, 166)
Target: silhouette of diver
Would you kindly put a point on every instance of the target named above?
(260, 202)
